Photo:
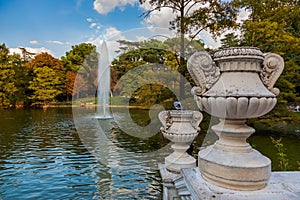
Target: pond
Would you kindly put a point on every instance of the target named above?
(44, 156)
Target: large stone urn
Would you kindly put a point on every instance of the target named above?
(235, 84)
(181, 127)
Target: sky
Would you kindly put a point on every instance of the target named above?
(54, 26)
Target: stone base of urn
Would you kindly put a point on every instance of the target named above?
(179, 159)
(231, 162)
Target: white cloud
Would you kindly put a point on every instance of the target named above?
(113, 32)
(95, 41)
(89, 19)
(105, 6)
(141, 38)
(160, 18)
(111, 35)
(243, 15)
(33, 42)
(55, 42)
(165, 15)
(93, 25)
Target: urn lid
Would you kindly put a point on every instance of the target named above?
(238, 52)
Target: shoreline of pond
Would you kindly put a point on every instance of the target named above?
(283, 127)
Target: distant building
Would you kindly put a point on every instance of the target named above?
(28, 53)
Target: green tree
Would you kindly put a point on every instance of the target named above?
(152, 56)
(81, 60)
(12, 78)
(273, 26)
(45, 85)
(230, 40)
(210, 15)
(152, 51)
(74, 58)
(7, 75)
(47, 79)
(270, 28)
(21, 79)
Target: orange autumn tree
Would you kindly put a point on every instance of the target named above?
(74, 84)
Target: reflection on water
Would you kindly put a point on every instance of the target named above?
(43, 157)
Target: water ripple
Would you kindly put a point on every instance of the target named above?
(42, 157)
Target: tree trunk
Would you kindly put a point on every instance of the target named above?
(182, 51)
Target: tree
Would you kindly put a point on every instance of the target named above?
(12, 78)
(152, 51)
(81, 60)
(74, 84)
(45, 85)
(230, 40)
(74, 58)
(270, 28)
(194, 16)
(152, 57)
(21, 80)
(7, 74)
(69, 83)
(47, 79)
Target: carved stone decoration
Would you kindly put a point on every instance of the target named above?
(243, 90)
(203, 70)
(165, 119)
(272, 68)
(181, 127)
(238, 51)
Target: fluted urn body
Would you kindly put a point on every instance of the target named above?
(181, 127)
(235, 84)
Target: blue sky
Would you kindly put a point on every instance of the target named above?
(56, 25)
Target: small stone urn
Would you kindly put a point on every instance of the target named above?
(235, 84)
(181, 127)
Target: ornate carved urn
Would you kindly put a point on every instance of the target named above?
(235, 84)
(181, 127)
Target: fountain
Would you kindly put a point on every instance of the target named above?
(103, 89)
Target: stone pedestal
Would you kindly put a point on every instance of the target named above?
(179, 158)
(190, 185)
(231, 162)
(235, 84)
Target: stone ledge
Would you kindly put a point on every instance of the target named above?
(281, 186)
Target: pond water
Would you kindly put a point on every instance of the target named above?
(43, 156)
